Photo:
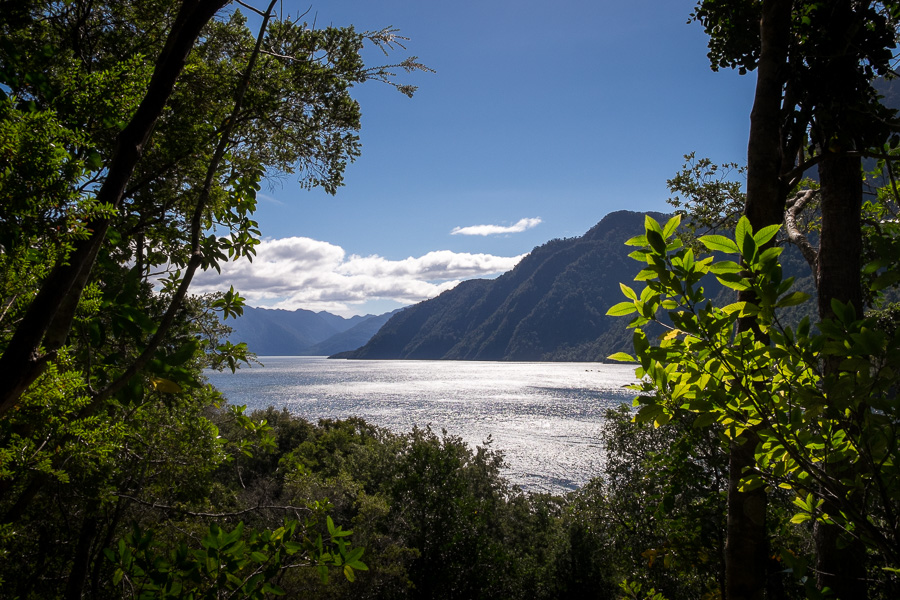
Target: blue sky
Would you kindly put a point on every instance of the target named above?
(539, 120)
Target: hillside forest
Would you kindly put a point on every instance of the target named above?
(759, 461)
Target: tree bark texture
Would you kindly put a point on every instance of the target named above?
(746, 549)
(841, 567)
(840, 247)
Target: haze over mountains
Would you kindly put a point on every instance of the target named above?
(273, 332)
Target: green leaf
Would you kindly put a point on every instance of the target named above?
(885, 280)
(638, 240)
(874, 265)
(745, 309)
(765, 234)
(705, 419)
(656, 242)
(183, 354)
(671, 226)
(844, 312)
(621, 309)
(271, 588)
(742, 230)
(749, 249)
(725, 266)
(93, 161)
(165, 386)
(719, 243)
(648, 413)
(638, 255)
(621, 357)
(792, 299)
(354, 555)
(734, 283)
(650, 224)
(629, 293)
(770, 254)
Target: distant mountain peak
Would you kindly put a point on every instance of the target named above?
(301, 332)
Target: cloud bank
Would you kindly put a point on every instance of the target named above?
(299, 272)
(520, 226)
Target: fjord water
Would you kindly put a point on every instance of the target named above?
(545, 417)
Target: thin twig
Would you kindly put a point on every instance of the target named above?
(158, 506)
(253, 8)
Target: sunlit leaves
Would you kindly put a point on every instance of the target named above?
(719, 243)
(805, 419)
(621, 309)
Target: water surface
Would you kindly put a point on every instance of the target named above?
(545, 417)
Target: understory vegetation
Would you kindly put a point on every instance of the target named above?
(181, 512)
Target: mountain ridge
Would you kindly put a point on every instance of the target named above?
(301, 332)
(550, 307)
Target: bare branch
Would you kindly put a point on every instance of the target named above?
(793, 177)
(252, 8)
(158, 506)
(385, 39)
(795, 206)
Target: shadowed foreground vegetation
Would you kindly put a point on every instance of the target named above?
(436, 518)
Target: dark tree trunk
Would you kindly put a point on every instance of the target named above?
(82, 558)
(746, 549)
(840, 564)
(840, 246)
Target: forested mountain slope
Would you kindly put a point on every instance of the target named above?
(271, 332)
(551, 306)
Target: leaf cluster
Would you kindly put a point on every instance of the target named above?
(770, 377)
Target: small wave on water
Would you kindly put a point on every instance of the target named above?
(544, 417)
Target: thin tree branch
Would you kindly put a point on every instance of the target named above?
(254, 9)
(793, 177)
(158, 506)
(795, 206)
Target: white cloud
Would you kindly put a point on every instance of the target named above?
(300, 272)
(520, 226)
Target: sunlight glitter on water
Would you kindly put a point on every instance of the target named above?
(545, 417)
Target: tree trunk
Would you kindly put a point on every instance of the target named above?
(746, 548)
(840, 245)
(82, 558)
(840, 566)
